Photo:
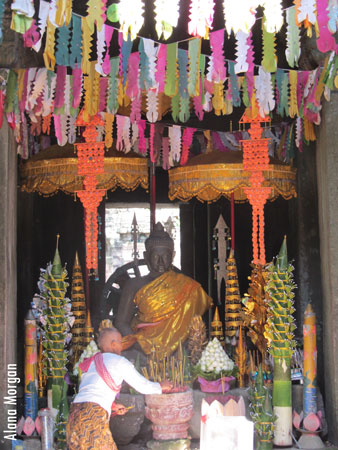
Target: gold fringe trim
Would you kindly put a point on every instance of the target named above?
(209, 182)
(47, 177)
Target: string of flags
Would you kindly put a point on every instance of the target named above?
(33, 19)
(192, 83)
(37, 96)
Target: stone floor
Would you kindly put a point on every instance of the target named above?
(34, 444)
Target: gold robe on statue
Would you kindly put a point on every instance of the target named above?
(166, 307)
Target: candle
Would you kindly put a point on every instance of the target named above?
(310, 362)
(31, 380)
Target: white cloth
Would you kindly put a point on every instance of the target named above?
(94, 389)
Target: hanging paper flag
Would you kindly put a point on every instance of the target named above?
(103, 82)
(299, 134)
(144, 66)
(218, 61)
(201, 17)
(22, 15)
(282, 81)
(96, 14)
(242, 49)
(48, 55)
(60, 126)
(269, 61)
(133, 90)
(307, 13)
(142, 143)
(326, 41)
(273, 11)
(175, 107)
(100, 46)
(236, 99)
(130, 17)
(166, 17)
(125, 50)
(174, 134)
(61, 72)
(86, 45)
(293, 107)
(239, 15)
(62, 45)
(250, 73)
(75, 56)
(184, 100)
(171, 82)
(194, 52)
(264, 92)
(333, 15)
(113, 85)
(152, 105)
(123, 133)
(106, 63)
(108, 129)
(42, 22)
(151, 52)
(63, 12)
(48, 97)
(37, 88)
(31, 36)
(188, 134)
(160, 67)
(197, 101)
(293, 49)
(134, 136)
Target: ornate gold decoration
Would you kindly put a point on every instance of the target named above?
(217, 328)
(211, 175)
(79, 310)
(233, 302)
(56, 169)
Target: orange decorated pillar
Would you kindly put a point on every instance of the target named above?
(310, 362)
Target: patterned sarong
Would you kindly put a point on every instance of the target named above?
(88, 428)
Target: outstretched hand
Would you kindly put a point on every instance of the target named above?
(166, 386)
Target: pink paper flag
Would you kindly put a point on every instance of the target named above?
(160, 67)
(106, 62)
(77, 86)
(61, 73)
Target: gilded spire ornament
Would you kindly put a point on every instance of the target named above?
(79, 311)
(254, 313)
(217, 327)
(233, 306)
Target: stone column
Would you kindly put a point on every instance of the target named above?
(8, 182)
(327, 170)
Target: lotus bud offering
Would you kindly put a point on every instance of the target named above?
(215, 361)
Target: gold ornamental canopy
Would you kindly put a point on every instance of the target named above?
(214, 174)
(56, 169)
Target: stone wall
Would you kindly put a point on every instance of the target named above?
(327, 170)
(8, 182)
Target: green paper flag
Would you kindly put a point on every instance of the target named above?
(171, 79)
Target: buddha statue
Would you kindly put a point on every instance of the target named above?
(155, 310)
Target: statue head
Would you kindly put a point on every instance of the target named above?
(159, 252)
